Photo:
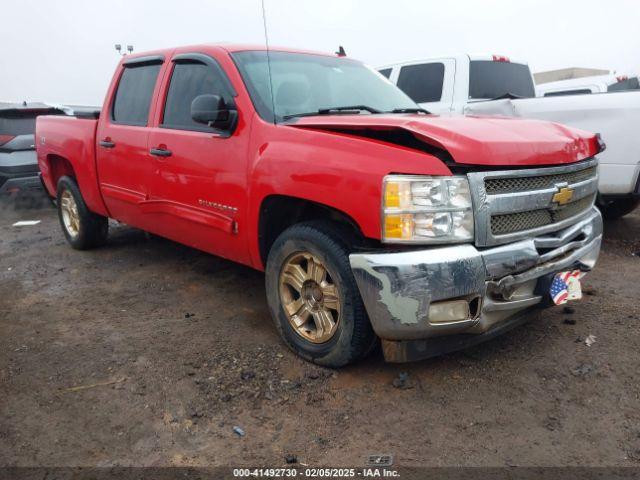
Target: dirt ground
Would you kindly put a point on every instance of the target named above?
(148, 353)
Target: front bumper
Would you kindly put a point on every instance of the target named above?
(501, 283)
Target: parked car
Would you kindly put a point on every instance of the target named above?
(586, 85)
(369, 218)
(18, 162)
(497, 85)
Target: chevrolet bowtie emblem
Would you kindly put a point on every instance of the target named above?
(563, 196)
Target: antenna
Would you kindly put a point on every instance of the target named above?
(266, 41)
(341, 52)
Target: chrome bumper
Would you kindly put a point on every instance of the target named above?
(398, 288)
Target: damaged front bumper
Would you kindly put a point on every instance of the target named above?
(501, 286)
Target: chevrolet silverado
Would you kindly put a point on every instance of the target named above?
(371, 218)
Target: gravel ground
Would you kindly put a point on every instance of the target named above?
(148, 353)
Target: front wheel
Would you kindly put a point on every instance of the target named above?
(313, 296)
(82, 228)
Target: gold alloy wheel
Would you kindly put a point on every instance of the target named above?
(310, 299)
(70, 216)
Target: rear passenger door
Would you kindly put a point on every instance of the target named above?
(198, 191)
(124, 164)
(429, 84)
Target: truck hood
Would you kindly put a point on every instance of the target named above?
(469, 140)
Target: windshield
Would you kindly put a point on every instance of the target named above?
(306, 83)
(489, 80)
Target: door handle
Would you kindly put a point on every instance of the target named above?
(160, 152)
(107, 143)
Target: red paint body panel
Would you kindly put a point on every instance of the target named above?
(125, 169)
(479, 140)
(74, 140)
(208, 193)
(343, 172)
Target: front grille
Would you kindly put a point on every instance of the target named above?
(511, 205)
(523, 184)
(517, 222)
(572, 209)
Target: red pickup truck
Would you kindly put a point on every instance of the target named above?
(371, 218)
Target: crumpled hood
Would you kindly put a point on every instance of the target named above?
(473, 140)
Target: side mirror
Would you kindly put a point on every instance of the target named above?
(213, 111)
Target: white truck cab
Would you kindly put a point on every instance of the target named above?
(448, 84)
(498, 85)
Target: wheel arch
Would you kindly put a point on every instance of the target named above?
(55, 166)
(279, 212)
(58, 166)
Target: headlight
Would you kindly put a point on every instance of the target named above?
(421, 209)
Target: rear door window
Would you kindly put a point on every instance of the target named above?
(423, 83)
(189, 80)
(489, 79)
(133, 96)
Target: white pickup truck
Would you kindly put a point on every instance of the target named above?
(496, 85)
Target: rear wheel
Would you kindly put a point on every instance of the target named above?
(617, 207)
(313, 296)
(82, 228)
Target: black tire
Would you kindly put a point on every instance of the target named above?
(615, 208)
(93, 228)
(353, 338)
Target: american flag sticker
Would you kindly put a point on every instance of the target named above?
(566, 286)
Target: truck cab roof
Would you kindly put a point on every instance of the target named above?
(228, 47)
(438, 83)
(459, 57)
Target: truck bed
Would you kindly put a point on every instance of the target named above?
(59, 139)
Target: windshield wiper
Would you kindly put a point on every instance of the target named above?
(357, 108)
(409, 110)
(328, 111)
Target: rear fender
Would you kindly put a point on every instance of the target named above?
(58, 167)
(66, 146)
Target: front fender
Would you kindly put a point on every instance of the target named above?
(340, 171)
